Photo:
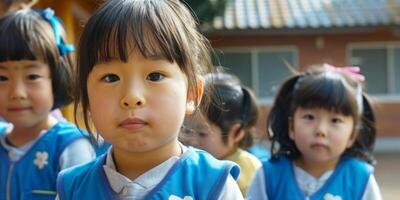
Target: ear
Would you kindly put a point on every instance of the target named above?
(190, 104)
(236, 133)
(291, 128)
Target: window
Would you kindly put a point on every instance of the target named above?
(262, 69)
(380, 64)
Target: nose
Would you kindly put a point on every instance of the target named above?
(321, 130)
(133, 96)
(18, 90)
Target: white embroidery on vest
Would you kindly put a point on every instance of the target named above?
(41, 159)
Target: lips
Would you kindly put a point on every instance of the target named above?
(19, 109)
(319, 146)
(133, 124)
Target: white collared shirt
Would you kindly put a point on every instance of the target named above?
(137, 189)
(307, 184)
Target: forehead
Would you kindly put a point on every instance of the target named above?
(197, 121)
(22, 65)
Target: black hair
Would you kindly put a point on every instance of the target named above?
(231, 103)
(162, 28)
(26, 35)
(326, 89)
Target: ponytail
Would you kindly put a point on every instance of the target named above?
(278, 121)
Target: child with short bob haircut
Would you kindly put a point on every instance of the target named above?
(35, 78)
(322, 129)
(224, 127)
(140, 64)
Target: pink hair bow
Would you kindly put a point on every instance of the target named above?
(352, 71)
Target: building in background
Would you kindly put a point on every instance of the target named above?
(258, 39)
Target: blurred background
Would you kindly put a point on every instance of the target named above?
(258, 39)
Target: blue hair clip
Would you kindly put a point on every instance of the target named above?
(48, 14)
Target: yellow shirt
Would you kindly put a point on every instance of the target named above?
(248, 165)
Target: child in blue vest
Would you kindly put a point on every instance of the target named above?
(35, 78)
(140, 64)
(224, 127)
(322, 130)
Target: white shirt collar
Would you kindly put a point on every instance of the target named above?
(308, 184)
(126, 188)
(16, 153)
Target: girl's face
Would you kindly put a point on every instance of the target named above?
(320, 135)
(26, 94)
(137, 106)
(207, 136)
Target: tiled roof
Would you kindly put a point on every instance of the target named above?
(276, 14)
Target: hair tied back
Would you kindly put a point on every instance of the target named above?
(48, 15)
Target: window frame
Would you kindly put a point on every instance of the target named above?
(390, 47)
(254, 53)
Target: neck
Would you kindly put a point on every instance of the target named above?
(134, 164)
(22, 135)
(316, 169)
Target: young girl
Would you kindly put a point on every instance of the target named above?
(35, 78)
(322, 129)
(224, 128)
(140, 63)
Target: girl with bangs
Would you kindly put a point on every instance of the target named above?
(35, 77)
(140, 64)
(322, 130)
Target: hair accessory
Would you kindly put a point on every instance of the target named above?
(352, 71)
(48, 14)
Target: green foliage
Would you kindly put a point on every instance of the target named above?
(206, 10)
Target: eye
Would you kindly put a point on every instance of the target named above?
(186, 130)
(308, 116)
(33, 77)
(3, 78)
(155, 76)
(337, 120)
(203, 134)
(110, 78)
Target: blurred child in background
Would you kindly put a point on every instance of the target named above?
(322, 129)
(35, 78)
(224, 127)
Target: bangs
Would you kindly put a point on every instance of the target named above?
(326, 93)
(18, 42)
(14, 46)
(144, 27)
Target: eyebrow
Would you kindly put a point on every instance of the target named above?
(28, 66)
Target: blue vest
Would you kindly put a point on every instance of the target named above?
(196, 174)
(34, 175)
(348, 180)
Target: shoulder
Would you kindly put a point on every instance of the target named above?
(271, 163)
(79, 170)
(207, 163)
(76, 173)
(64, 128)
(351, 163)
(247, 159)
